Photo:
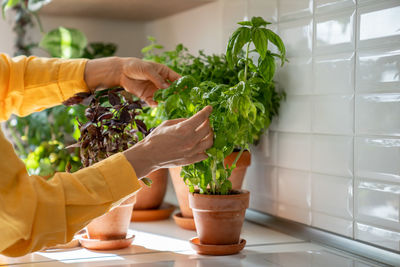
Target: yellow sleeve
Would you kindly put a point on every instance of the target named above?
(30, 84)
(35, 213)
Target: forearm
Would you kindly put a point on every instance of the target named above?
(103, 73)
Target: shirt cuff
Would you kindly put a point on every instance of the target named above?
(119, 175)
(71, 78)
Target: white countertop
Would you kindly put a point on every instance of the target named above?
(162, 243)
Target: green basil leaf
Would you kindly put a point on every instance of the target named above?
(35, 5)
(277, 41)
(260, 40)
(243, 38)
(267, 67)
(245, 23)
(259, 21)
(64, 43)
(229, 48)
(146, 181)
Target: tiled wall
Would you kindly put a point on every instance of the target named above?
(332, 160)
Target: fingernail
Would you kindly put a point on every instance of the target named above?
(165, 85)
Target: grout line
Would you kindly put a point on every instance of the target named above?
(355, 30)
(275, 244)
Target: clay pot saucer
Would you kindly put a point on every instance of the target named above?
(216, 250)
(162, 213)
(98, 244)
(184, 222)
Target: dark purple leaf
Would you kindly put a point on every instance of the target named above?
(125, 116)
(106, 116)
(114, 99)
(141, 126)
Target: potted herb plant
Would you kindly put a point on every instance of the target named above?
(203, 68)
(111, 127)
(240, 114)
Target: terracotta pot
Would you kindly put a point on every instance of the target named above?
(182, 191)
(112, 225)
(239, 172)
(152, 197)
(236, 178)
(219, 218)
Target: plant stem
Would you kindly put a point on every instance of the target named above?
(246, 63)
(214, 176)
(238, 156)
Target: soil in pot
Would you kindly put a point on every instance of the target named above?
(219, 218)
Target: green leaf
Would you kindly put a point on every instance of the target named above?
(35, 5)
(243, 38)
(245, 23)
(259, 21)
(229, 48)
(64, 42)
(6, 4)
(260, 40)
(146, 181)
(267, 67)
(277, 41)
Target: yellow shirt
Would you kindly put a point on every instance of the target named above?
(35, 213)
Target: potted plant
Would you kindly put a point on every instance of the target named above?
(203, 68)
(111, 127)
(240, 114)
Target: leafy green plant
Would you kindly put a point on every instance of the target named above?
(241, 111)
(112, 125)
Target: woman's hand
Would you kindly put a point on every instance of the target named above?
(141, 78)
(173, 143)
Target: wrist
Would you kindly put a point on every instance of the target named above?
(103, 73)
(140, 158)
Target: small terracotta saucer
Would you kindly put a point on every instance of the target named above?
(216, 250)
(98, 244)
(162, 213)
(184, 222)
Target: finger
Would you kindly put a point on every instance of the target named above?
(174, 121)
(203, 130)
(197, 119)
(172, 75)
(205, 144)
(156, 79)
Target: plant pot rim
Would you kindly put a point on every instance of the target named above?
(239, 193)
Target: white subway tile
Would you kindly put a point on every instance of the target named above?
(294, 188)
(295, 114)
(332, 155)
(294, 213)
(377, 236)
(378, 71)
(377, 158)
(291, 9)
(334, 74)
(262, 179)
(294, 150)
(323, 6)
(265, 9)
(332, 224)
(332, 195)
(377, 114)
(297, 37)
(333, 114)
(335, 32)
(379, 24)
(377, 203)
(295, 78)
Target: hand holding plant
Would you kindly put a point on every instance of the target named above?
(141, 78)
(173, 143)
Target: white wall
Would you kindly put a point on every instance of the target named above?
(128, 35)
